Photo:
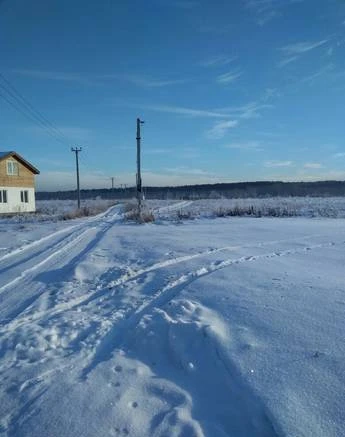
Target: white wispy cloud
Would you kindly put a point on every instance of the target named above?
(229, 77)
(57, 76)
(339, 155)
(99, 79)
(304, 175)
(147, 82)
(220, 129)
(313, 165)
(326, 70)
(249, 145)
(218, 61)
(273, 164)
(293, 52)
(184, 170)
(189, 152)
(140, 80)
(287, 61)
(180, 110)
(302, 47)
(270, 93)
(267, 10)
(248, 111)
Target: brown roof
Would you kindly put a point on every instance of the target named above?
(4, 155)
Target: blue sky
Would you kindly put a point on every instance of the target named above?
(231, 90)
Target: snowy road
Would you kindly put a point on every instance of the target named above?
(226, 327)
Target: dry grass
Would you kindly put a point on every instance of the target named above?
(84, 211)
(132, 213)
(256, 211)
(185, 215)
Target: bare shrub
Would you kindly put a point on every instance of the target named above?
(66, 210)
(147, 217)
(236, 211)
(257, 211)
(70, 215)
(132, 213)
(84, 211)
(185, 215)
(129, 207)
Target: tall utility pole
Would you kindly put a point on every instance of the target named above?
(76, 150)
(139, 185)
(112, 182)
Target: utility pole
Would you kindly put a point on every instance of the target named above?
(76, 150)
(139, 184)
(112, 182)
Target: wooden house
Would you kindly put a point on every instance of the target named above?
(17, 184)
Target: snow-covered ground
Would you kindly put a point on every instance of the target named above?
(213, 327)
(333, 207)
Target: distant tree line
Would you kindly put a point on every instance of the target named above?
(205, 191)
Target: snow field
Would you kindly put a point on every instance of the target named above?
(227, 327)
(330, 207)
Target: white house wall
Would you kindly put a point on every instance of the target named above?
(14, 203)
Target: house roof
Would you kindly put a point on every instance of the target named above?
(27, 164)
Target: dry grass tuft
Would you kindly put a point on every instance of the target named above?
(132, 213)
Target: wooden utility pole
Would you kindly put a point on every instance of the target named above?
(139, 184)
(76, 150)
(112, 182)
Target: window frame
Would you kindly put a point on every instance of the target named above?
(12, 167)
(24, 196)
(3, 196)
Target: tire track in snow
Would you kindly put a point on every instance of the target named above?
(29, 246)
(60, 249)
(20, 250)
(13, 322)
(117, 334)
(131, 275)
(52, 251)
(102, 288)
(53, 256)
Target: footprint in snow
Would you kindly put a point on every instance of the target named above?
(118, 368)
(217, 263)
(118, 431)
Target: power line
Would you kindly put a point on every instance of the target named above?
(20, 98)
(22, 105)
(29, 117)
(26, 109)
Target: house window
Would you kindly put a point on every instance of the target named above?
(12, 168)
(3, 196)
(24, 196)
